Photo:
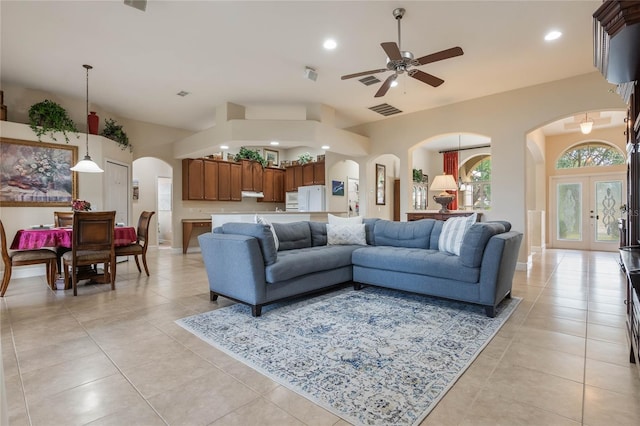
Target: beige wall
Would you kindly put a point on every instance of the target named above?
(504, 117)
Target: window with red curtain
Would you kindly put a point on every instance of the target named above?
(450, 167)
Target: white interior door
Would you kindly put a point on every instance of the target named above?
(165, 235)
(117, 190)
(585, 211)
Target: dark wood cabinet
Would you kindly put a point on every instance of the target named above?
(192, 179)
(211, 181)
(273, 187)
(441, 216)
(252, 179)
(630, 257)
(313, 174)
(290, 179)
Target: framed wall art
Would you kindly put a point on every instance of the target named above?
(337, 187)
(37, 174)
(381, 184)
(271, 155)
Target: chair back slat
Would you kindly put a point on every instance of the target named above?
(5, 251)
(143, 226)
(62, 219)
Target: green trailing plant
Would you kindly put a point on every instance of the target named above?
(48, 117)
(417, 175)
(305, 158)
(250, 154)
(112, 130)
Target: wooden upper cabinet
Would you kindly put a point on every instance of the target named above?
(297, 176)
(192, 179)
(289, 179)
(278, 186)
(224, 181)
(273, 188)
(236, 182)
(313, 173)
(211, 181)
(251, 176)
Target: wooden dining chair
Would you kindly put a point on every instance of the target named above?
(25, 257)
(139, 248)
(92, 243)
(62, 219)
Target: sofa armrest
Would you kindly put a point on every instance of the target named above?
(235, 266)
(498, 266)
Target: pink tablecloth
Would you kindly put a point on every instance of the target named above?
(28, 239)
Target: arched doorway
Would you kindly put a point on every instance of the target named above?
(153, 188)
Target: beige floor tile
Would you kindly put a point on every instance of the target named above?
(544, 360)
(545, 310)
(614, 353)
(44, 382)
(611, 320)
(86, 403)
(607, 408)
(606, 333)
(560, 325)
(613, 377)
(258, 411)
(453, 407)
(154, 377)
(544, 391)
(149, 350)
(203, 399)
(251, 378)
(483, 412)
(300, 407)
(138, 413)
(57, 353)
(551, 340)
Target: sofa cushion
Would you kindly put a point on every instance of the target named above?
(369, 226)
(337, 220)
(261, 232)
(295, 263)
(293, 235)
(346, 234)
(475, 240)
(264, 221)
(403, 234)
(426, 262)
(318, 233)
(435, 234)
(453, 231)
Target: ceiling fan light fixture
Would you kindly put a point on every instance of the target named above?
(394, 83)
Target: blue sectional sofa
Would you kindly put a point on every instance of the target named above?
(243, 263)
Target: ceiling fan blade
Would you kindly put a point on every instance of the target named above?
(358, 74)
(426, 78)
(439, 56)
(385, 86)
(392, 50)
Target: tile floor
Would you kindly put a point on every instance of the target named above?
(114, 358)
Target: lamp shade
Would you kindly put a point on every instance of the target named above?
(444, 183)
(87, 165)
(586, 126)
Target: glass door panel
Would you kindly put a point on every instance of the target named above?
(608, 199)
(569, 207)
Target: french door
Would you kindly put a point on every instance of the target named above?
(584, 211)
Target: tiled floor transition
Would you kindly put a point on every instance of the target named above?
(117, 357)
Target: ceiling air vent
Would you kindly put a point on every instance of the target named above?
(385, 109)
(368, 81)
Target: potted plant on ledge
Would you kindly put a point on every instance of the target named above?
(48, 117)
(250, 154)
(113, 131)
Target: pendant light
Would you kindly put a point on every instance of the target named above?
(87, 165)
(586, 125)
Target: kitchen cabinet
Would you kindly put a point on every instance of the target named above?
(273, 186)
(210, 173)
(313, 174)
(211, 180)
(229, 181)
(293, 178)
(192, 179)
(252, 179)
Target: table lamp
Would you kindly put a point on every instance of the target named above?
(444, 183)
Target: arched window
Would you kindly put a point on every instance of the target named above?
(590, 154)
(476, 183)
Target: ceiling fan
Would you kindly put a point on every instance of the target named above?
(400, 61)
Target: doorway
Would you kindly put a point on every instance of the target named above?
(116, 178)
(585, 211)
(165, 235)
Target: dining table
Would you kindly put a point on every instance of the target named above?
(40, 237)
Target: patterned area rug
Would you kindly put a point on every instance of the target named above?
(372, 357)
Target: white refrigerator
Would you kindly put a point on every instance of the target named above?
(311, 198)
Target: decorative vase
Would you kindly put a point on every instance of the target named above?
(93, 120)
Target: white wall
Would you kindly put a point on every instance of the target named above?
(340, 171)
(146, 171)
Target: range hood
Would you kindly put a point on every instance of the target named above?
(252, 194)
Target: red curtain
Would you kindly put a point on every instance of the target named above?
(450, 167)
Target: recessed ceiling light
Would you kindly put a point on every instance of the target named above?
(325, 147)
(552, 35)
(394, 83)
(274, 143)
(330, 44)
(224, 146)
